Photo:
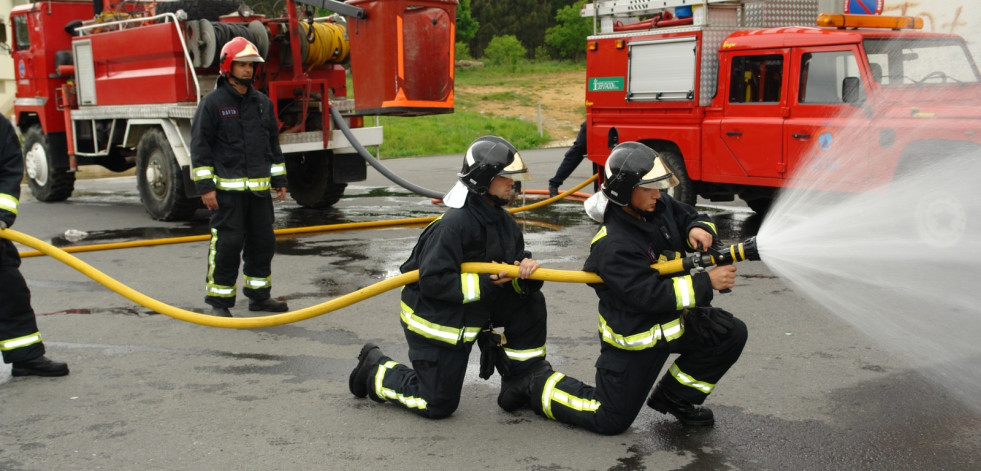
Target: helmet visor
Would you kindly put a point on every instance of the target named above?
(658, 177)
(517, 170)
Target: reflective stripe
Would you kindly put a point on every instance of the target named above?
(648, 339)
(8, 202)
(27, 340)
(470, 285)
(687, 380)
(517, 286)
(203, 173)
(552, 394)
(277, 169)
(450, 335)
(220, 291)
(711, 225)
(523, 355)
(684, 292)
(601, 233)
(240, 184)
(257, 283)
(387, 394)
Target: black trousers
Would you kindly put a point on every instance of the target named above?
(432, 387)
(624, 378)
(241, 227)
(19, 336)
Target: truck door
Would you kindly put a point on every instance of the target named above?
(827, 133)
(752, 125)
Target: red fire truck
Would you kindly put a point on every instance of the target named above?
(116, 83)
(739, 95)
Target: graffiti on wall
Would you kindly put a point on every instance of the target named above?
(930, 22)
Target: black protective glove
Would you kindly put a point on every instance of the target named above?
(709, 324)
(492, 354)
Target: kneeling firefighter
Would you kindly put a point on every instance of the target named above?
(644, 317)
(446, 311)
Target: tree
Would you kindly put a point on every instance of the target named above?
(505, 51)
(526, 21)
(466, 24)
(567, 39)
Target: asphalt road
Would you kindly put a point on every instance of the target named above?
(150, 392)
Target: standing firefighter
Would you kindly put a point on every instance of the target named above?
(446, 311)
(20, 339)
(237, 159)
(643, 317)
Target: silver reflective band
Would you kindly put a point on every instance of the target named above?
(19, 342)
(203, 173)
(277, 169)
(8, 202)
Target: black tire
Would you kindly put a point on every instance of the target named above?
(209, 10)
(160, 181)
(310, 180)
(760, 205)
(46, 165)
(685, 190)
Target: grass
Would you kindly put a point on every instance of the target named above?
(452, 133)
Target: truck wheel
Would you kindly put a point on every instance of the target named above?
(159, 179)
(685, 191)
(759, 205)
(200, 9)
(309, 180)
(45, 163)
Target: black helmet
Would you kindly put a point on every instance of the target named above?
(632, 164)
(488, 157)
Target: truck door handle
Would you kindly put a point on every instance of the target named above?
(733, 133)
(800, 136)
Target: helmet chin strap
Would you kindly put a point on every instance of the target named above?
(648, 215)
(243, 82)
(497, 200)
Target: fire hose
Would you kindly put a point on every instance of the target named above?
(717, 256)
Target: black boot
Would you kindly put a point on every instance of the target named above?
(370, 356)
(553, 191)
(516, 390)
(40, 366)
(220, 311)
(268, 305)
(686, 412)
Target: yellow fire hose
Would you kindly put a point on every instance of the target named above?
(735, 253)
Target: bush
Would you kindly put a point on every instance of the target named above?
(462, 51)
(505, 51)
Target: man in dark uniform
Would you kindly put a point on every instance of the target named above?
(645, 317)
(20, 339)
(570, 161)
(446, 311)
(236, 157)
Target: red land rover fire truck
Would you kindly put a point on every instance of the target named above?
(737, 95)
(116, 83)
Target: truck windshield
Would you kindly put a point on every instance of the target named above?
(906, 61)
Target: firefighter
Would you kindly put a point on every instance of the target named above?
(572, 158)
(643, 317)
(237, 160)
(445, 312)
(20, 339)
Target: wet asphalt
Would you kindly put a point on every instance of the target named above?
(150, 392)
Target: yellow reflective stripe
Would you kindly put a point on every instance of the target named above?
(470, 285)
(553, 394)
(601, 233)
(220, 291)
(711, 225)
(388, 394)
(27, 340)
(277, 169)
(257, 283)
(687, 380)
(517, 286)
(239, 184)
(672, 330)
(8, 202)
(523, 355)
(430, 330)
(202, 173)
(684, 292)
(648, 339)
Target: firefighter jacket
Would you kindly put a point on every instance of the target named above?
(442, 305)
(11, 172)
(638, 308)
(235, 142)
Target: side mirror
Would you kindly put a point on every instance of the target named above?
(851, 90)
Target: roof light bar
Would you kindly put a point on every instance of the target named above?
(869, 21)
